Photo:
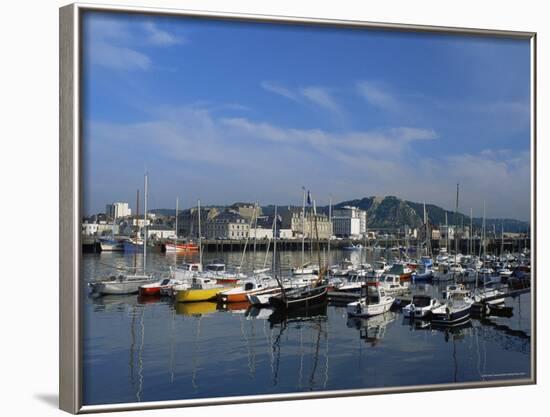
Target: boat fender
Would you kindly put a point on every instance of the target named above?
(448, 311)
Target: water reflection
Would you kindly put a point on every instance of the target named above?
(154, 349)
(373, 329)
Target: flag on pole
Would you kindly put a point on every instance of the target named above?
(308, 198)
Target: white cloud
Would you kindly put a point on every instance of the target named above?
(376, 95)
(160, 37)
(321, 97)
(280, 90)
(115, 44)
(117, 57)
(239, 158)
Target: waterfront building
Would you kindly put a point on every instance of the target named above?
(346, 227)
(117, 210)
(160, 231)
(246, 210)
(188, 221)
(98, 228)
(260, 233)
(285, 234)
(226, 225)
(349, 221)
(436, 234)
(306, 227)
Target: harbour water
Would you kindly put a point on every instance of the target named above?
(138, 349)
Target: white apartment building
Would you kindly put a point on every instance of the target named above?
(346, 226)
(118, 210)
(349, 221)
(261, 233)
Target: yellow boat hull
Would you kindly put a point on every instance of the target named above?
(191, 295)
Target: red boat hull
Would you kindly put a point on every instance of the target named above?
(149, 291)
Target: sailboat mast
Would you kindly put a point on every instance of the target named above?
(447, 230)
(330, 225)
(200, 234)
(427, 229)
(471, 251)
(145, 225)
(456, 225)
(176, 223)
(303, 226)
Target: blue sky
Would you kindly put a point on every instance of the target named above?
(233, 111)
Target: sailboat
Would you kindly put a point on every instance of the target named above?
(303, 296)
(126, 283)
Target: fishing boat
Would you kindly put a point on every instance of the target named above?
(172, 247)
(110, 244)
(391, 284)
(133, 245)
(455, 309)
(373, 301)
(421, 306)
(162, 287)
(201, 289)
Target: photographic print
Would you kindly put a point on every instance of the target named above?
(273, 208)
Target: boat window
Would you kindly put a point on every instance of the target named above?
(165, 281)
(248, 286)
(421, 301)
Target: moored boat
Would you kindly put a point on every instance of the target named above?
(162, 287)
(249, 287)
(373, 301)
(172, 247)
(120, 284)
(421, 306)
(201, 289)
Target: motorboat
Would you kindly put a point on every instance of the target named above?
(120, 284)
(455, 309)
(186, 271)
(201, 289)
(373, 301)
(162, 287)
(491, 296)
(378, 269)
(421, 306)
(249, 286)
(111, 245)
(392, 284)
